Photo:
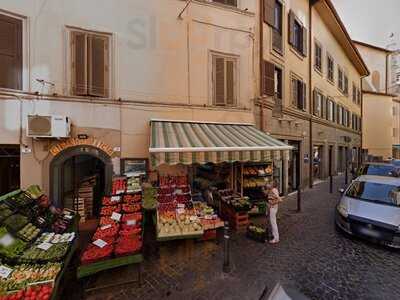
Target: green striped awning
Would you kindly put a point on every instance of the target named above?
(186, 142)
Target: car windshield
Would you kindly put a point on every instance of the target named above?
(376, 192)
(380, 170)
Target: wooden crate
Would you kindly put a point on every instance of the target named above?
(237, 220)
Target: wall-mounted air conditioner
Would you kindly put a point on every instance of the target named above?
(48, 126)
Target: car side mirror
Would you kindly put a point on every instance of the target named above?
(341, 191)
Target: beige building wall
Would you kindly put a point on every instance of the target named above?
(160, 65)
(378, 125)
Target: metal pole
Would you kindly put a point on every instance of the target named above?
(330, 183)
(298, 198)
(226, 267)
(346, 179)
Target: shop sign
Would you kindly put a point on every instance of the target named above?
(56, 149)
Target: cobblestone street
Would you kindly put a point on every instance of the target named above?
(312, 257)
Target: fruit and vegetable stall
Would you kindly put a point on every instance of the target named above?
(117, 241)
(37, 242)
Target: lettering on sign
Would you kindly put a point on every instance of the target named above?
(72, 142)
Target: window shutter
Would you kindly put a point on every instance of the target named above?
(79, 63)
(303, 98)
(269, 78)
(346, 85)
(291, 20)
(230, 82)
(269, 12)
(315, 99)
(295, 90)
(10, 53)
(98, 66)
(304, 35)
(219, 80)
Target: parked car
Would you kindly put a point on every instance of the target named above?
(370, 208)
(379, 169)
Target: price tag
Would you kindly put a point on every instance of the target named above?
(105, 227)
(131, 222)
(100, 243)
(115, 198)
(193, 218)
(208, 217)
(180, 210)
(116, 216)
(120, 192)
(5, 271)
(178, 191)
(181, 205)
(69, 217)
(44, 246)
(71, 238)
(6, 240)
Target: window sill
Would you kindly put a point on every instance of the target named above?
(331, 81)
(225, 7)
(297, 53)
(319, 71)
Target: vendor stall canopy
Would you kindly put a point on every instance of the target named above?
(186, 142)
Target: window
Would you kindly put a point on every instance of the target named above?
(358, 97)
(340, 79)
(394, 110)
(354, 93)
(90, 64)
(268, 80)
(346, 84)
(297, 34)
(330, 67)
(318, 57)
(330, 111)
(374, 192)
(10, 53)
(278, 82)
(227, 2)
(224, 80)
(277, 40)
(339, 116)
(318, 104)
(298, 93)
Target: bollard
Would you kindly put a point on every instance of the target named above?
(330, 184)
(226, 267)
(346, 177)
(298, 199)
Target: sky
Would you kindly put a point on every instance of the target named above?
(371, 21)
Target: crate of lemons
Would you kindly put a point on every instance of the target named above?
(179, 225)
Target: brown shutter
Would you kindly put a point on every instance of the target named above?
(219, 81)
(269, 12)
(303, 98)
(10, 53)
(269, 78)
(295, 90)
(305, 41)
(291, 20)
(79, 63)
(314, 106)
(98, 68)
(230, 83)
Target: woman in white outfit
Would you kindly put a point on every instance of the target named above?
(273, 201)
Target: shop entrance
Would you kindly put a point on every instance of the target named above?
(9, 168)
(79, 177)
(341, 160)
(294, 166)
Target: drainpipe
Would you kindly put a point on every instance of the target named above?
(261, 63)
(362, 121)
(310, 92)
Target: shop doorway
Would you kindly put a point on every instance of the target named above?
(330, 161)
(317, 162)
(9, 168)
(341, 160)
(79, 177)
(294, 166)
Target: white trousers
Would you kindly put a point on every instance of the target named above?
(273, 210)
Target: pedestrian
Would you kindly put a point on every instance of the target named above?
(273, 200)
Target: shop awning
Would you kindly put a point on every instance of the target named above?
(186, 142)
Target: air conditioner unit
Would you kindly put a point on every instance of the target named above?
(48, 126)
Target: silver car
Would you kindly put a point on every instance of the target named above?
(370, 208)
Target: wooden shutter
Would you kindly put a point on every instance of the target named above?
(291, 20)
(269, 78)
(305, 41)
(230, 82)
(346, 85)
(315, 99)
(79, 63)
(269, 12)
(303, 97)
(10, 53)
(295, 92)
(98, 68)
(219, 80)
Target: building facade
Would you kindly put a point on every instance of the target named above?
(310, 88)
(380, 107)
(111, 73)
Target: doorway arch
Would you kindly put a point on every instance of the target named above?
(57, 163)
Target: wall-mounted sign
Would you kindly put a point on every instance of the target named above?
(306, 158)
(56, 149)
